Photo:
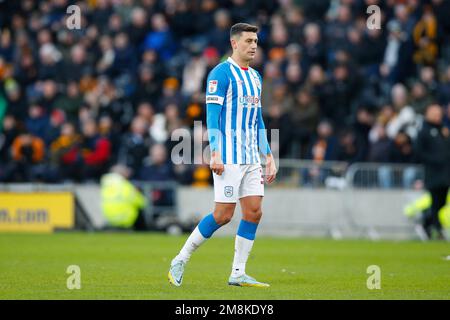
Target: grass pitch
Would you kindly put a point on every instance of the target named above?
(134, 266)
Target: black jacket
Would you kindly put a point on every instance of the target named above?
(433, 150)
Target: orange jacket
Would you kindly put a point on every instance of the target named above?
(36, 143)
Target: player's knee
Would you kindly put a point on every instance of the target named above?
(224, 219)
(223, 216)
(253, 215)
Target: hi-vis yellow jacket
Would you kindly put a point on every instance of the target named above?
(423, 203)
(121, 200)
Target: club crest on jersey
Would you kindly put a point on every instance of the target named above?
(228, 190)
(212, 86)
(258, 84)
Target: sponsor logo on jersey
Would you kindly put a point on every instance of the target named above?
(214, 99)
(248, 100)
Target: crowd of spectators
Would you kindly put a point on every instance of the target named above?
(75, 102)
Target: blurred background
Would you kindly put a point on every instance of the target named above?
(86, 111)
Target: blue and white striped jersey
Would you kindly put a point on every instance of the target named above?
(238, 91)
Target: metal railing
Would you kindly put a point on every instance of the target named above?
(305, 173)
(358, 210)
(340, 175)
(384, 176)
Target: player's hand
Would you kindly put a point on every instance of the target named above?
(271, 169)
(216, 164)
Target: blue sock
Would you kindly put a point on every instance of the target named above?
(208, 226)
(247, 230)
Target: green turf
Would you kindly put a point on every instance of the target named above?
(134, 266)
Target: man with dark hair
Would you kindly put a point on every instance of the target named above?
(237, 29)
(433, 150)
(237, 138)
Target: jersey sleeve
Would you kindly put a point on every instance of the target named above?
(212, 123)
(263, 143)
(216, 86)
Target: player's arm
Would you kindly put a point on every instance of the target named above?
(264, 149)
(217, 86)
(214, 135)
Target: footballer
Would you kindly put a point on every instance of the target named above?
(238, 141)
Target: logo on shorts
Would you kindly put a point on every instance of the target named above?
(228, 191)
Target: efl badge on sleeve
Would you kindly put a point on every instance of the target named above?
(212, 86)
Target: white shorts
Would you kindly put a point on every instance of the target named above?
(238, 181)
